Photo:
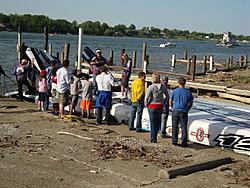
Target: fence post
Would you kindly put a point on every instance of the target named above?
(79, 52)
(211, 62)
(66, 51)
(46, 38)
(144, 52)
(204, 67)
(134, 59)
(173, 61)
(111, 57)
(188, 66)
(193, 67)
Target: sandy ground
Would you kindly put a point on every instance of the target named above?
(33, 154)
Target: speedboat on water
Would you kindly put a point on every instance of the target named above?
(168, 44)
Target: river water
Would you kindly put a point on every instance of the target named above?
(158, 56)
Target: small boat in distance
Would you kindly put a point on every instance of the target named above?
(168, 44)
(227, 41)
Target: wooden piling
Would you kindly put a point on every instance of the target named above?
(46, 38)
(79, 52)
(145, 64)
(231, 61)
(228, 62)
(22, 50)
(185, 55)
(19, 42)
(144, 52)
(58, 55)
(246, 60)
(173, 61)
(193, 67)
(204, 67)
(111, 58)
(66, 51)
(188, 66)
(50, 49)
(62, 57)
(211, 62)
(134, 59)
(121, 59)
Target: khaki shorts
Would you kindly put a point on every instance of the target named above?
(64, 97)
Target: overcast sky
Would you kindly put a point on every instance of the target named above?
(215, 16)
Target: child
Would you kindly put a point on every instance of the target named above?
(43, 89)
(74, 91)
(87, 94)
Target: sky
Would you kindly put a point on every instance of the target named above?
(216, 16)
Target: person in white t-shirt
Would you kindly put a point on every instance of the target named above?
(63, 86)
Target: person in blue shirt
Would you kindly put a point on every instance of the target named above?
(181, 101)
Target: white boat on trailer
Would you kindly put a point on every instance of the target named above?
(210, 123)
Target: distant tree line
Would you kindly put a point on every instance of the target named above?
(35, 23)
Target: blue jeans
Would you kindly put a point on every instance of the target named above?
(155, 123)
(181, 118)
(164, 118)
(136, 108)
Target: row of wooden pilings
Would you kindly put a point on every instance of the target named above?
(47, 47)
(208, 64)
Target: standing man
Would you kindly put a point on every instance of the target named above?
(137, 98)
(104, 82)
(181, 101)
(126, 72)
(63, 86)
(97, 63)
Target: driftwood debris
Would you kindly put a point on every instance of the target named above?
(75, 135)
(234, 97)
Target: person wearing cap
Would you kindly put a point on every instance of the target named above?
(165, 110)
(96, 63)
(42, 89)
(126, 72)
(21, 74)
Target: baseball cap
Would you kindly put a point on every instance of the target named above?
(98, 51)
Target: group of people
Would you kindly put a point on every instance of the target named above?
(158, 102)
(156, 97)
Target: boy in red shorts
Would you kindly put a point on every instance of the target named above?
(87, 94)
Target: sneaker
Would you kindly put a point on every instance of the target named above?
(132, 129)
(175, 144)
